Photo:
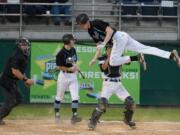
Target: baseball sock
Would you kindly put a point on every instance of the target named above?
(134, 58)
(57, 105)
(74, 107)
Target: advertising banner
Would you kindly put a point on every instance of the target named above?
(43, 62)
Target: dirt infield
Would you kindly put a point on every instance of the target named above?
(49, 127)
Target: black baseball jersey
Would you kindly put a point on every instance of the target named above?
(98, 31)
(17, 61)
(111, 71)
(63, 56)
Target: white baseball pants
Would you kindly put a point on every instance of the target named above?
(110, 88)
(122, 41)
(67, 81)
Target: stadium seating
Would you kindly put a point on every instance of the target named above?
(169, 11)
(2, 10)
(129, 14)
(151, 10)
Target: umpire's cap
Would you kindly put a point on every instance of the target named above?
(82, 18)
(67, 38)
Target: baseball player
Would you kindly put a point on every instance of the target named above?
(14, 71)
(67, 78)
(112, 85)
(103, 34)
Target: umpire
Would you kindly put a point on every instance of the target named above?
(14, 71)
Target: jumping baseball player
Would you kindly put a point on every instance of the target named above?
(112, 85)
(14, 71)
(67, 78)
(103, 34)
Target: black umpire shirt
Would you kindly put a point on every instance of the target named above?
(110, 71)
(98, 31)
(17, 61)
(63, 56)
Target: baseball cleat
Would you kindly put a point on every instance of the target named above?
(175, 57)
(2, 122)
(91, 126)
(57, 117)
(142, 61)
(131, 124)
(75, 119)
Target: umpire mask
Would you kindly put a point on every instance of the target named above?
(24, 45)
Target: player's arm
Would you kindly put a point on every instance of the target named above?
(109, 32)
(104, 66)
(18, 74)
(96, 56)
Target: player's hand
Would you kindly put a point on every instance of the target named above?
(92, 62)
(29, 82)
(74, 68)
(100, 45)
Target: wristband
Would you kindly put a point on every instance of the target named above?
(24, 79)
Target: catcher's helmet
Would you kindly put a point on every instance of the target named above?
(108, 46)
(82, 18)
(23, 42)
(67, 38)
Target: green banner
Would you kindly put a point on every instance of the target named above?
(43, 60)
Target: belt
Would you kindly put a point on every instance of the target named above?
(112, 80)
(68, 72)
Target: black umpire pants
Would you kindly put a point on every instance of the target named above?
(12, 96)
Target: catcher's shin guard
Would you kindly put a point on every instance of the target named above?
(94, 118)
(128, 114)
(129, 111)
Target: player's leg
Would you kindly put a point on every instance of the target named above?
(74, 91)
(9, 102)
(119, 44)
(120, 40)
(129, 103)
(19, 97)
(106, 92)
(97, 112)
(62, 85)
(136, 46)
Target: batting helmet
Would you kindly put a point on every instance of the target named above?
(67, 38)
(82, 18)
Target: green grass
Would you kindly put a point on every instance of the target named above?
(39, 111)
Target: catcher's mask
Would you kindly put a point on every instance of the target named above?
(67, 38)
(24, 45)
